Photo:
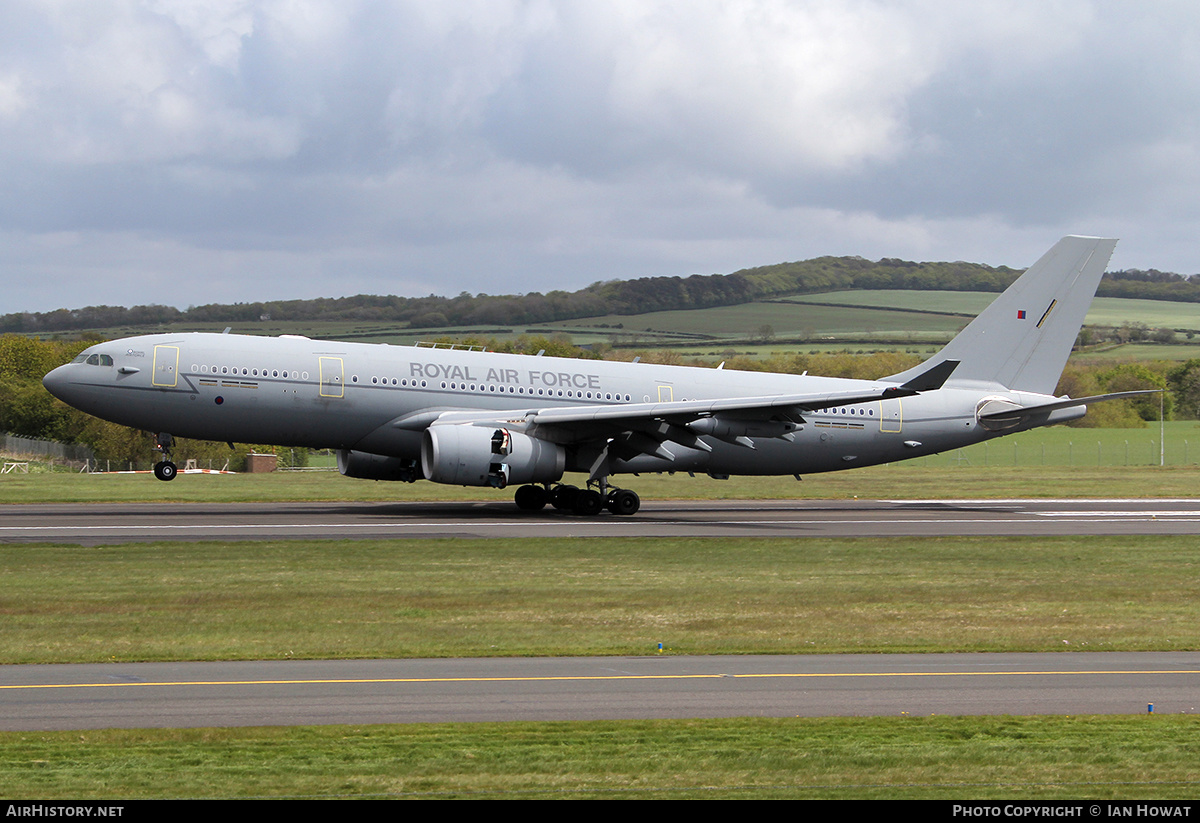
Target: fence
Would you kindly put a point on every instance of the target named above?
(1177, 444)
(83, 458)
(27, 446)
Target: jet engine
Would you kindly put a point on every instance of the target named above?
(464, 455)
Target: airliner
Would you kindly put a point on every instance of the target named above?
(490, 419)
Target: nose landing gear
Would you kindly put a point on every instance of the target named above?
(165, 469)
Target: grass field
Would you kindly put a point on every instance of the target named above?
(940, 477)
(923, 345)
(967, 304)
(1047, 462)
(870, 758)
(787, 319)
(1141, 351)
(1105, 311)
(447, 598)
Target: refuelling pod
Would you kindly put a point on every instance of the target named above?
(464, 455)
(728, 428)
(377, 466)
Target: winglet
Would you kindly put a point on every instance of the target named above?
(932, 379)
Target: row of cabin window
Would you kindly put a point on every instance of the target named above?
(541, 392)
(234, 371)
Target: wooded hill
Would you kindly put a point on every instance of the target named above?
(623, 297)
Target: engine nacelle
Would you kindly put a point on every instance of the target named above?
(464, 455)
(377, 466)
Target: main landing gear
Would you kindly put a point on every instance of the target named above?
(586, 502)
(165, 469)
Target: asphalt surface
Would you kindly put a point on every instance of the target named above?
(176, 695)
(94, 524)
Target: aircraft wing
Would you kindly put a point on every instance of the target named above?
(652, 424)
(785, 404)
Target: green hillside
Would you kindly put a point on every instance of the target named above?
(874, 318)
(786, 319)
(1105, 311)
(879, 318)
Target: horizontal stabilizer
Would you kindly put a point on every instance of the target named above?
(1022, 412)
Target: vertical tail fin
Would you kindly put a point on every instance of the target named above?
(1022, 340)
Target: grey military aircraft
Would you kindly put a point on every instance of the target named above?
(475, 418)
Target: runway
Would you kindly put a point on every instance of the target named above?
(182, 695)
(94, 524)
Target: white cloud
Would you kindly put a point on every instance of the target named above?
(217, 27)
(124, 82)
(770, 86)
(12, 100)
(529, 144)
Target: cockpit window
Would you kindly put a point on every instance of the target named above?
(100, 360)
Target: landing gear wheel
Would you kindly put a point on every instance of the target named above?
(531, 498)
(563, 497)
(624, 502)
(589, 503)
(166, 470)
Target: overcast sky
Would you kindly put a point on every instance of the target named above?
(199, 151)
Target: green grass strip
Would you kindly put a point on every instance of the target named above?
(996, 471)
(1145, 757)
(447, 598)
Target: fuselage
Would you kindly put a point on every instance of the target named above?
(379, 399)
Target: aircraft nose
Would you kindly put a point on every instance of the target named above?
(56, 382)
